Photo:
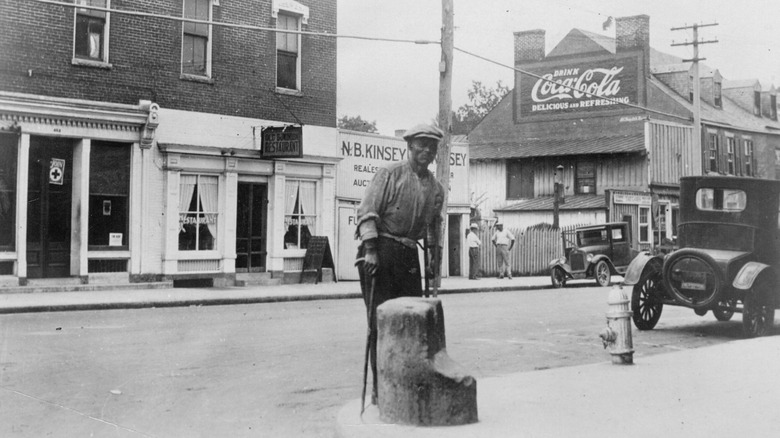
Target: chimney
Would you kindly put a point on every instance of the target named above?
(633, 33)
(529, 46)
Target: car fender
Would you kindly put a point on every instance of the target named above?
(565, 266)
(599, 257)
(637, 267)
(748, 274)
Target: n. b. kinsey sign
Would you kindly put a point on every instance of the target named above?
(578, 86)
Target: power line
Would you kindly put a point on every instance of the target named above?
(231, 25)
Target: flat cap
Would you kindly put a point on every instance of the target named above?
(423, 130)
(473, 225)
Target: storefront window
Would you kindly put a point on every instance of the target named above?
(109, 187)
(300, 209)
(8, 150)
(198, 215)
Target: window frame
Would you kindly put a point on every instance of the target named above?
(731, 164)
(200, 210)
(749, 156)
(302, 218)
(718, 94)
(645, 224)
(714, 153)
(283, 18)
(193, 30)
(112, 210)
(80, 59)
(582, 166)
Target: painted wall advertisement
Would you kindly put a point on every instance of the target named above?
(584, 86)
(364, 154)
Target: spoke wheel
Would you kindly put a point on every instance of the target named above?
(758, 312)
(558, 277)
(645, 304)
(725, 309)
(602, 273)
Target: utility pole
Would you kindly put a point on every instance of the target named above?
(445, 123)
(696, 83)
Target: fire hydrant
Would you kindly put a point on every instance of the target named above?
(617, 335)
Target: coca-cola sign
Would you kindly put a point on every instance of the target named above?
(585, 86)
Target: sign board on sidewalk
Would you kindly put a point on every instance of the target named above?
(317, 256)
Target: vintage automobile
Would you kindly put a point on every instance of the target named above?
(728, 256)
(598, 251)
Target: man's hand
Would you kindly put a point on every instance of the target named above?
(370, 257)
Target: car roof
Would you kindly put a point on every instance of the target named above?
(604, 225)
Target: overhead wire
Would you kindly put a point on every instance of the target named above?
(333, 35)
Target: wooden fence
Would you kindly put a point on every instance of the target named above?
(534, 248)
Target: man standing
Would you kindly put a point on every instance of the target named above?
(402, 205)
(474, 244)
(503, 241)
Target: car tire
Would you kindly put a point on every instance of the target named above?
(645, 302)
(602, 273)
(558, 277)
(758, 310)
(723, 312)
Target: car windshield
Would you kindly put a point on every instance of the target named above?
(592, 237)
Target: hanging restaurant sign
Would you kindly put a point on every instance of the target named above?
(578, 86)
(282, 142)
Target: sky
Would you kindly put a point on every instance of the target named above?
(396, 84)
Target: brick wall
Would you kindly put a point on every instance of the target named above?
(145, 56)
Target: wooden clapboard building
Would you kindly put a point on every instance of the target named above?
(619, 158)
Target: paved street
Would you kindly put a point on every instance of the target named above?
(276, 369)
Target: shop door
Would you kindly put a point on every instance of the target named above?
(49, 207)
(251, 227)
(454, 244)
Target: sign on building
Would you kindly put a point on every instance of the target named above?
(578, 86)
(364, 154)
(282, 142)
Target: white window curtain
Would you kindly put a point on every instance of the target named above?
(208, 189)
(291, 194)
(186, 189)
(308, 197)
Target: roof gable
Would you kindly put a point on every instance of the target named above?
(579, 41)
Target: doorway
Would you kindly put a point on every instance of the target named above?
(50, 174)
(251, 225)
(454, 244)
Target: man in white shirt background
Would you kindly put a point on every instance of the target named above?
(503, 241)
(474, 244)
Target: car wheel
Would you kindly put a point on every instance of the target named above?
(558, 277)
(602, 273)
(645, 304)
(725, 309)
(758, 311)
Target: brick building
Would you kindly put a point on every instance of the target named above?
(619, 159)
(138, 146)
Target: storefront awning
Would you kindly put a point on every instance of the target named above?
(554, 147)
(575, 202)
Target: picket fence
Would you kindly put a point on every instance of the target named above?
(534, 248)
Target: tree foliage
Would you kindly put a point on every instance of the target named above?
(482, 99)
(357, 124)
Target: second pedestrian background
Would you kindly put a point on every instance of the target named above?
(534, 248)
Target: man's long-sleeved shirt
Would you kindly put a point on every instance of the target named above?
(401, 203)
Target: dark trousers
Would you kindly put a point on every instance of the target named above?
(474, 262)
(398, 276)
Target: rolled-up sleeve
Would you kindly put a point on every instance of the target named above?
(373, 205)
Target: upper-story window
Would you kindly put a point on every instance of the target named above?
(773, 107)
(90, 36)
(730, 149)
(585, 178)
(196, 39)
(288, 60)
(714, 153)
(749, 158)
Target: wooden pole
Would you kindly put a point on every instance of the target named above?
(445, 123)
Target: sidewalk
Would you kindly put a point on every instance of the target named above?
(172, 297)
(726, 390)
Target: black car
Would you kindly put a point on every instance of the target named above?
(728, 258)
(599, 252)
